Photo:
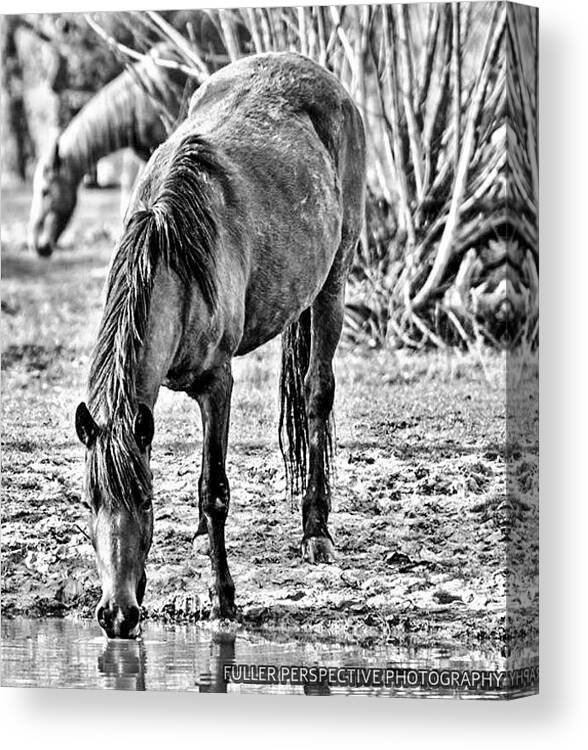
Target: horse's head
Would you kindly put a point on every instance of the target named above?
(118, 492)
(55, 189)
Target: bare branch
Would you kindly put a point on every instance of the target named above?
(446, 245)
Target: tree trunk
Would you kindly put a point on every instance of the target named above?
(20, 146)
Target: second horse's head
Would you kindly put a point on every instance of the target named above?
(55, 188)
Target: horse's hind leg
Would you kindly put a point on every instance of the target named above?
(326, 324)
(214, 399)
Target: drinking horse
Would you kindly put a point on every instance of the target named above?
(243, 226)
(129, 112)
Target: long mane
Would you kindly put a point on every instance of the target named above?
(179, 229)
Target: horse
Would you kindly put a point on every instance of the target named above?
(243, 226)
(129, 112)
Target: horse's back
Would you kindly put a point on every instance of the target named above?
(281, 78)
(284, 111)
(261, 92)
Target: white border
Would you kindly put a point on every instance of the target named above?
(101, 719)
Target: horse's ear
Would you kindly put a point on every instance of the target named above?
(144, 427)
(86, 428)
(55, 156)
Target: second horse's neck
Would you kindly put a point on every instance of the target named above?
(107, 123)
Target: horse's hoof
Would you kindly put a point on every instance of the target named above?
(223, 605)
(316, 549)
(201, 545)
(225, 611)
(219, 613)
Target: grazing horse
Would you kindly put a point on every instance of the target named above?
(125, 114)
(243, 226)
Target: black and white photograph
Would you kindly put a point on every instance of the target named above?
(269, 347)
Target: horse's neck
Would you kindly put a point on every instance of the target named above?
(163, 335)
(120, 376)
(108, 122)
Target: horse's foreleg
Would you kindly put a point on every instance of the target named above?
(214, 400)
(326, 326)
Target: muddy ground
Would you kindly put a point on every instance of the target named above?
(430, 544)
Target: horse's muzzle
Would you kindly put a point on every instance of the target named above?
(40, 242)
(44, 250)
(119, 621)
(43, 235)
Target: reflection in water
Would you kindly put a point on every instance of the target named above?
(124, 664)
(62, 653)
(222, 652)
(318, 688)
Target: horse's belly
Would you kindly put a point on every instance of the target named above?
(284, 285)
(263, 325)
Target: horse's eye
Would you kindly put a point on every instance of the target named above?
(146, 506)
(45, 192)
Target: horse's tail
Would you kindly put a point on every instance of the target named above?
(293, 428)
